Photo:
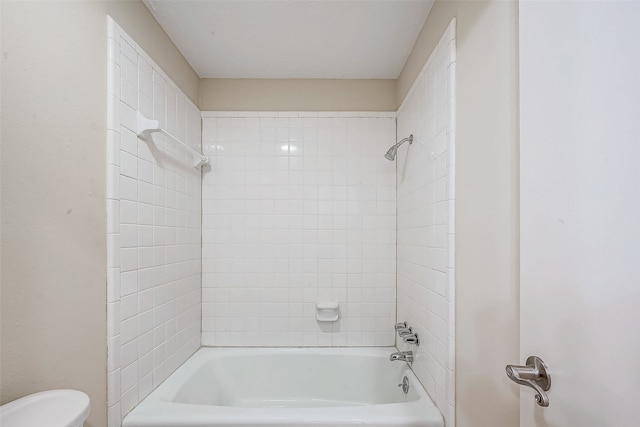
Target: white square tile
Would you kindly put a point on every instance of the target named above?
(129, 282)
(113, 284)
(128, 329)
(129, 399)
(145, 191)
(129, 94)
(113, 79)
(128, 259)
(113, 354)
(129, 306)
(113, 319)
(145, 105)
(113, 251)
(129, 71)
(145, 78)
(114, 415)
(113, 50)
(113, 386)
(113, 112)
(127, 47)
(128, 117)
(113, 147)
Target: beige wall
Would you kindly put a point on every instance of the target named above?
(134, 17)
(53, 109)
(487, 322)
(297, 95)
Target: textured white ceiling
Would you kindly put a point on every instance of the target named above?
(300, 39)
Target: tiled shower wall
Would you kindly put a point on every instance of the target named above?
(298, 208)
(426, 222)
(153, 226)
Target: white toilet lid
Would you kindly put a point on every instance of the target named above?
(53, 408)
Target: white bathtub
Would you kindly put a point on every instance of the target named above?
(288, 387)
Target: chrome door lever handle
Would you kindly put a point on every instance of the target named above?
(534, 375)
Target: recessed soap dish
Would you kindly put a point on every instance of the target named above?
(327, 311)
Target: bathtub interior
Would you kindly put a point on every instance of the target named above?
(269, 387)
(296, 379)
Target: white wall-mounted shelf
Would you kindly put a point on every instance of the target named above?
(327, 311)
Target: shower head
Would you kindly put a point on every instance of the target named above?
(393, 151)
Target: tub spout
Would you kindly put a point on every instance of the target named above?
(404, 356)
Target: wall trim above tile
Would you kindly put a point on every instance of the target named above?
(301, 114)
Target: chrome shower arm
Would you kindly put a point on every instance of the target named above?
(403, 140)
(391, 153)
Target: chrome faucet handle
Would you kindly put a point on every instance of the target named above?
(405, 356)
(411, 339)
(404, 332)
(401, 325)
